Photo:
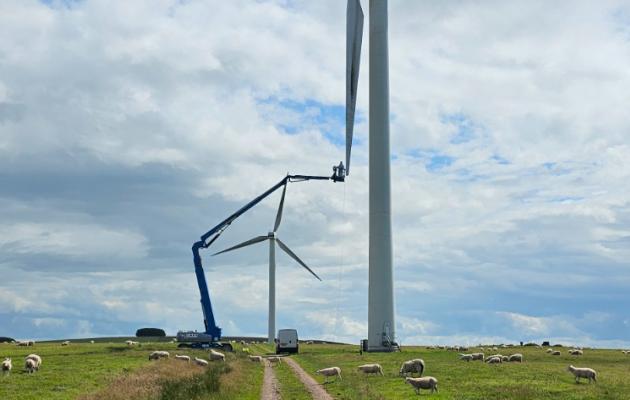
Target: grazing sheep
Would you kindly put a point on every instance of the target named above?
(156, 355)
(576, 352)
(21, 343)
(182, 357)
(588, 373)
(371, 369)
(91, 341)
(516, 357)
(549, 350)
(66, 343)
(30, 365)
(201, 362)
(495, 348)
(555, 353)
(466, 357)
(494, 360)
(274, 360)
(131, 343)
(477, 356)
(411, 366)
(428, 382)
(216, 356)
(255, 358)
(7, 366)
(331, 371)
(36, 358)
(505, 358)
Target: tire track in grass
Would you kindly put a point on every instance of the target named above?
(271, 388)
(311, 384)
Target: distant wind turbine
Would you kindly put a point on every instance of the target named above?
(273, 240)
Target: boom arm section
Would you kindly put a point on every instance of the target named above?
(213, 234)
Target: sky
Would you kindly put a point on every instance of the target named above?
(129, 129)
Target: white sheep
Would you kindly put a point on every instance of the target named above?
(36, 358)
(477, 356)
(7, 366)
(131, 343)
(274, 360)
(331, 371)
(371, 369)
(182, 357)
(576, 352)
(428, 382)
(65, 343)
(255, 359)
(91, 341)
(30, 365)
(411, 366)
(549, 350)
(555, 353)
(588, 373)
(466, 357)
(215, 355)
(201, 362)
(516, 357)
(156, 355)
(494, 360)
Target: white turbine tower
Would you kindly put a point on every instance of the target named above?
(273, 240)
(381, 324)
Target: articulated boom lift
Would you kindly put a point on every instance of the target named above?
(212, 335)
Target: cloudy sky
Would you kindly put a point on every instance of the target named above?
(128, 129)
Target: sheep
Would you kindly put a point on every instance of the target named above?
(494, 360)
(131, 343)
(516, 357)
(66, 343)
(255, 359)
(156, 355)
(555, 353)
(91, 341)
(411, 366)
(215, 355)
(182, 357)
(21, 343)
(576, 352)
(582, 373)
(36, 358)
(331, 371)
(274, 360)
(7, 366)
(201, 362)
(30, 365)
(428, 382)
(549, 350)
(371, 369)
(466, 357)
(477, 356)
(505, 358)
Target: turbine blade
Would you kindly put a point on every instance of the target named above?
(296, 258)
(257, 239)
(280, 207)
(354, 38)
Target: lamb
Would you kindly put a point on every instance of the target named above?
(371, 369)
(477, 356)
(466, 357)
(30, 365)
(215, 355)
(411, 366)
(331, 371)
(182, 357)
(201, 362)
(428, 382)
(36, 358)
(555, 353)
(274, 360)
(255, 358)
(583, 373)
(494, 360)
(576, 352)
(156, 355)
(516, 357)
(7, 366)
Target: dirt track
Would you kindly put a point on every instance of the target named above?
(311, 384)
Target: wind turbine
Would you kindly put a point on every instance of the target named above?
(381, 325)
(273, 240)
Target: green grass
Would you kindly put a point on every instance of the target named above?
(291, 388)
(541, 376)
(83, 368)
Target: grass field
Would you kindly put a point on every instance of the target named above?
(110, 370)
(541, 376)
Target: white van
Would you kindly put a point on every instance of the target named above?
(287, 341)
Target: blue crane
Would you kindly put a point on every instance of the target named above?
(212, 335)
